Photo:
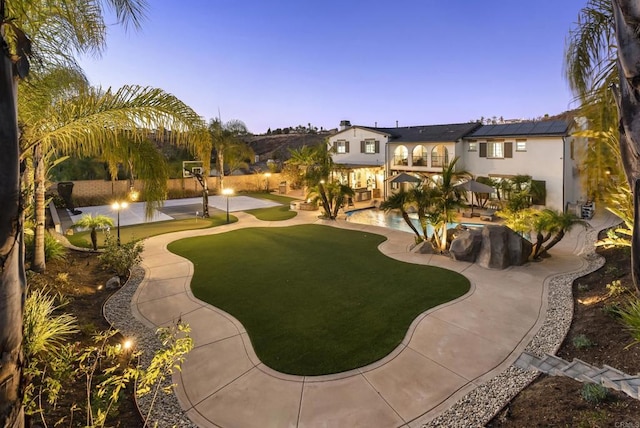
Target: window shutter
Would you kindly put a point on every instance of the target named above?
(483, 150)
(331, 146)
(361, 146)
(508, 150)
(377, 146)
(346, 147)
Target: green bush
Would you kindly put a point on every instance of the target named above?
(612, 309)
(121, 258)
(594, 393)
(631, 319)
(615, 288)
(581, 341)
(53, 249)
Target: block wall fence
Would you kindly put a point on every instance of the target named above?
(239, 183)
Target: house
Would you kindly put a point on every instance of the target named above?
(368, 158)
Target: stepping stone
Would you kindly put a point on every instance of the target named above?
(527, 361)
(580, 370)
(552, 365)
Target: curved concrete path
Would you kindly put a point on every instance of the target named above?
(447, 352)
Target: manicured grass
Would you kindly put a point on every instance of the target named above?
(284, 200)
(145, 230)
(273, 213)
(279, 213)
(315, 299)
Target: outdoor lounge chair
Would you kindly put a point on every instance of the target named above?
(488, 215)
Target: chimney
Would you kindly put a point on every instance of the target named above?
(396, 123)
(375, 125)
(344, 124)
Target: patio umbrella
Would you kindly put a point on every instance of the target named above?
(403, 177)
(475, 187)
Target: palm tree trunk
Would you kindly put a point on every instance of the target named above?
(626, 14)
(407, 220)
(553, 242)
(220, 166)
(12, 275)
(38, 263)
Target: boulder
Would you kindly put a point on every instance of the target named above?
(113, 283)
(466, 246)
(502, 247)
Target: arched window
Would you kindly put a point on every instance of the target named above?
(420, 156)
(439, 156)
(401, 156)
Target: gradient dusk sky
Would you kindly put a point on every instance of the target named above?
(284, 63)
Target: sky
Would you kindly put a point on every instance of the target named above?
(280, 63)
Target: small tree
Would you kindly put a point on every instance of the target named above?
(121, 258)
(88, 221)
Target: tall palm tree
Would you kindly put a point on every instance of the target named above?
(58, 30)
(448, 197)
(225, 139)
(400, 201)
(112, 125)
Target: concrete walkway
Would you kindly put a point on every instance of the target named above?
(446, 353)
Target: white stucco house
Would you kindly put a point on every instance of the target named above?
(368, 158)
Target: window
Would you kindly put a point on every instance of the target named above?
(370, 146)
(401, 156)
(420, 156)
(473, 146)
(495, 150)
(342, 146)
(439, 156)
(521, 145)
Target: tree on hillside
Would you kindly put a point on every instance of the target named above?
(226, 140)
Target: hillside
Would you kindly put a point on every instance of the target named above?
(277, 147)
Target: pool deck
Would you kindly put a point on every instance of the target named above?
(447, 352)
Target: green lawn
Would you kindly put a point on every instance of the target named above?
(145, 230)
(315, 299)
(273, 213)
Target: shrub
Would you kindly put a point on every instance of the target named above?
(53, 249)
(121, 258)
(612, 309)
(581, 341)
(631, 319)
(594, 393)
(616, 288)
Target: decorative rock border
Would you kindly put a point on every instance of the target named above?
(166, 411)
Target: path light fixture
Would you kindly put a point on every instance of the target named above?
(266, 176)
(227, 192)
(119, 206)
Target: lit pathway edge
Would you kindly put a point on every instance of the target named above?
(447, 352)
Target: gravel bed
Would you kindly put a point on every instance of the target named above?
(476, 408)
(166, 411)
(479, 406)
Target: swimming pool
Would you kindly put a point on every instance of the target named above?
(392, 219)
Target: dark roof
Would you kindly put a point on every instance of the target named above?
(434, 133)
(543, 128)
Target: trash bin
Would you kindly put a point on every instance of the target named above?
(282, 188)
(65, 189)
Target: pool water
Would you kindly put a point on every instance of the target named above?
(392, 220)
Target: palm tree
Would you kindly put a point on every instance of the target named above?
(447, 198)
(113, 125)
(558, 223)
(424, 199)
(226, 141)
(400, 201)
(88, 221)
(55, 30)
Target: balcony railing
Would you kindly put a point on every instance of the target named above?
(399, 160)
(420, 161)
(438, 160)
